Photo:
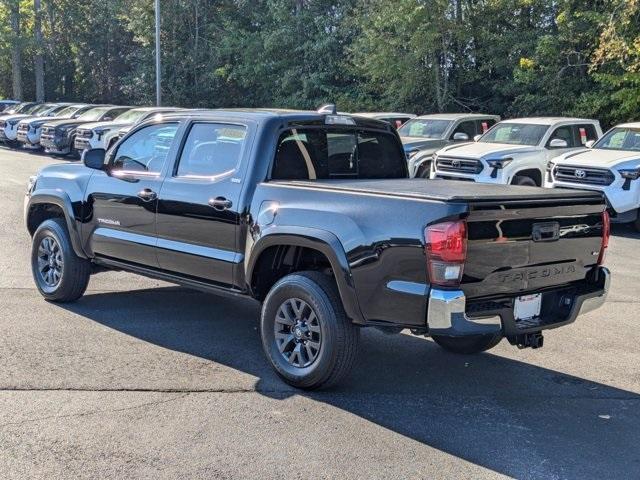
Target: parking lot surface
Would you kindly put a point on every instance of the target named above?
(148, 380)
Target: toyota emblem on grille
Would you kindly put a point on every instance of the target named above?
(580, 174)
(455, 163)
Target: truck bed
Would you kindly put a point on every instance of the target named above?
(446, 190)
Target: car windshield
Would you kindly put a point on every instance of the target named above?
(67, 112)
(620, 139)
(44, 108)
(131, 116)
(424, 128)
(94, 114)
(515, 134)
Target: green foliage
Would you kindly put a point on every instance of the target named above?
(510, 57)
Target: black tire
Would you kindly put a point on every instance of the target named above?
(636, 222)
(74, 271)
(424, 170)
(524, 181)
(467, 345)
(339, 337)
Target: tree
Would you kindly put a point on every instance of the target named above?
(16, 48)
(39, 58)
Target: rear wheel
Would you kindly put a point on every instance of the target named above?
(524, 181)
(467, 345)
(306, 335)
(60, 275)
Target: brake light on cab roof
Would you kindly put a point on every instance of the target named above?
(339, 120)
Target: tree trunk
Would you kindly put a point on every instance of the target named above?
(39, 58)
(16, 49)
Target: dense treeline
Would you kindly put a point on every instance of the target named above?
(511, 57)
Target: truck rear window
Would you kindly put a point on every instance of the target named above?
(321, 153)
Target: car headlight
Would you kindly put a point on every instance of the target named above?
(629, 174)
(498, 164)
(100, 132)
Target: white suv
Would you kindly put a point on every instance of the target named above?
(611, 165)
(514, 151)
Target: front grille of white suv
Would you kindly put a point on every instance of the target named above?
(458, 165)
(583, 175)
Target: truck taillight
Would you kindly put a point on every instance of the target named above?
(606, 233)
(446, 250)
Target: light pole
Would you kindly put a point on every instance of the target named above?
(158, 84)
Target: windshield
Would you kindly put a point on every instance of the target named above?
(327, 153)
(620, 139)
(424, 128)
(67, 112)
(93, 114)
(131, 116)
(515, 134)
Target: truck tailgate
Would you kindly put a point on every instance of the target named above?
(527, 247)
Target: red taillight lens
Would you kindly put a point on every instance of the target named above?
(606, 233)
(446, 250)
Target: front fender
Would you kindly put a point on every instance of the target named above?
(323, 241)
(60, 199)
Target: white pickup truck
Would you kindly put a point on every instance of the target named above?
(611, 165)
(514, 152)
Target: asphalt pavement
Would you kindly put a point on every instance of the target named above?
(142, 379)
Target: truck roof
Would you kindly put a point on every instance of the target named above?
(628, 125)
(457, 116)
(549, 120)
(383, 114)
(261, 114)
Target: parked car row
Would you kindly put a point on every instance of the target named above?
(553, 152)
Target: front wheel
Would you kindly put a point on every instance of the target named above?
(306, 335)
(60, 275)
(524, 181)
(467, 345)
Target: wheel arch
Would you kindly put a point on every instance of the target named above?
(53, 204)
(284, 251)
(534, 173)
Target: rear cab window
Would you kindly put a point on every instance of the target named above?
(320, 153)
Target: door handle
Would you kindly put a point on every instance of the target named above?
(147, 195)
(220, 203)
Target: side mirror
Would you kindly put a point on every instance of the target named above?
(94, 158)
(460, 137)
(590, 143)
(107, 119)
(558, 143)
(476, 138)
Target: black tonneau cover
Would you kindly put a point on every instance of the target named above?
(448, 190)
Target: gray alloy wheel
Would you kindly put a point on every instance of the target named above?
(297, 332)
(50, 263)
(59, 274)
(306, 335)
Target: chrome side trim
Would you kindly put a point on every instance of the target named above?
(593, 303)
(411, 288)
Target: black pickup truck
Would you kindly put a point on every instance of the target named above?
(312, 214)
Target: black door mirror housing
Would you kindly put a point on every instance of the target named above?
(94, 158)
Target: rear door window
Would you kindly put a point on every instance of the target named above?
(211, 150)
(317, 153)
(468, 128)
(484, 125)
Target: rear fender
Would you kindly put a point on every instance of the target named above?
(321, 240)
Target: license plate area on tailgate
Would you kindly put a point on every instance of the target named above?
(527, 307)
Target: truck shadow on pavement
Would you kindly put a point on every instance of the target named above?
(514, 418)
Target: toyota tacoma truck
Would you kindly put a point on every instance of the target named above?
(313, 215)
(424, 135)
(58, 137)
(514, 152)
(611, 165)
(105, 134)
